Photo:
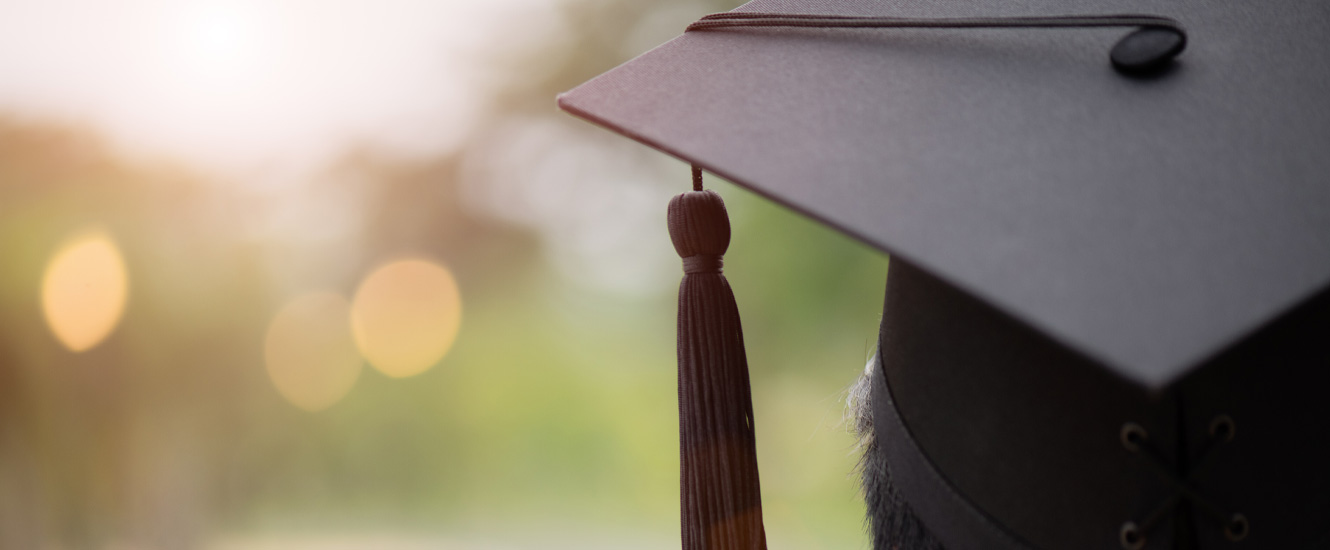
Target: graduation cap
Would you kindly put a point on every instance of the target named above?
(1107, 322)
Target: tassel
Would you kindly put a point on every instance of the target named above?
(720, 500)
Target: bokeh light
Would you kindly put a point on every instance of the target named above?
(84, 290)
(244, 153)
(405, 316)
(309, 352)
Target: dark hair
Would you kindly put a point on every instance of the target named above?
(890, 519)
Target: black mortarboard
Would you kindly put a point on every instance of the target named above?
(1107, 320)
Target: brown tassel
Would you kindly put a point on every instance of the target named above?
(720, 500)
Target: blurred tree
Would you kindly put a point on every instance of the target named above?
(551, 419)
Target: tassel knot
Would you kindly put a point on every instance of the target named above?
(699, 225)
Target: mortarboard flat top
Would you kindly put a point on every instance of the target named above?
(1147, 223)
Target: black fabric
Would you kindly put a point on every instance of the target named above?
(1073, 250)
(952, 519)
(890, 518)
(993, 433)
(1276, 469)
(1021, 427)
(1145, 223)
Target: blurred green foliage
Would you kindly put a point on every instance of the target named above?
(550, 424)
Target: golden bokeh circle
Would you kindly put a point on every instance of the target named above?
(84, 290)
(309, 351)
(405, 316)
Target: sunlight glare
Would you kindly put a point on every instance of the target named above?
(84, 290)
(267, 91)
(219, 41)
(405, 316)
(309, 352)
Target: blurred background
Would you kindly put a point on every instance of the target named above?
(337, 274)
